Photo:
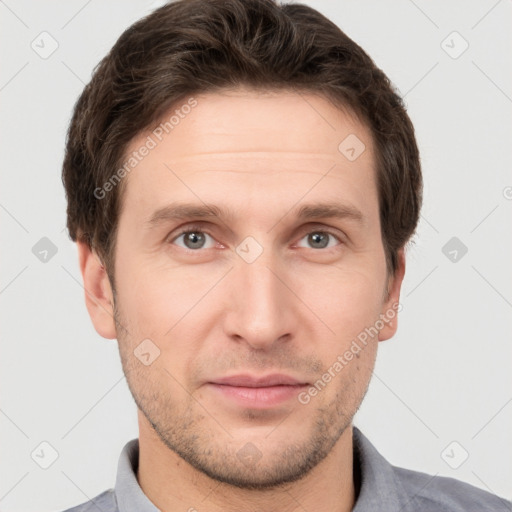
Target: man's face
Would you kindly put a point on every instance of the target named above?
(255, 291)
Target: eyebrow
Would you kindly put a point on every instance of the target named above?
(183, 211)
(330, 210)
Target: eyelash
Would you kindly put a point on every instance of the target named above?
(200, 229)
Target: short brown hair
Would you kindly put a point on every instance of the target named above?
(198, 46)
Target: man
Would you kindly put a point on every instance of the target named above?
(242, 181)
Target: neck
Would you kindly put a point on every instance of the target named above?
(171, 483)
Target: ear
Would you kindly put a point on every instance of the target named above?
(391, 306)
(99, 298)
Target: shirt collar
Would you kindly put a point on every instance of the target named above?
(129, 495)
(380, 489)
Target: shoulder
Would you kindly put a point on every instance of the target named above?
(412, 491)
(431, 493)
(106, 502)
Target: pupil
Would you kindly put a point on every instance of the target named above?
(194, 240)
(319, 240)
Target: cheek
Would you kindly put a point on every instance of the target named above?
(169, 306)
(347, 301)
(155, 296)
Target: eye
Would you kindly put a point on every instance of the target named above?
(194, 239)
(320, 240)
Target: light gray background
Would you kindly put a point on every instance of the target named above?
(446, 375)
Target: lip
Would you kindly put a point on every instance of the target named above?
(257, 392)
(252, 381)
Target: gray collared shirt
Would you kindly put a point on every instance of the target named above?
(380, 487)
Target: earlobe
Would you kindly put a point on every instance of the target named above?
(99, 298)
(391, 307)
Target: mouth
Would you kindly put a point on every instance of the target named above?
(258, 392)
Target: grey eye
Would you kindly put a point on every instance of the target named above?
(194, 240)
(319, 240)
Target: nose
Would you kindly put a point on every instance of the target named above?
(262, 310)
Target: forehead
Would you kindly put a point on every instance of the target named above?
(244, 120)
(263, 144)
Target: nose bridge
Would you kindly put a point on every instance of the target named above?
(261, 309)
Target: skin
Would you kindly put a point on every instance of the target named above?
(293, 310)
